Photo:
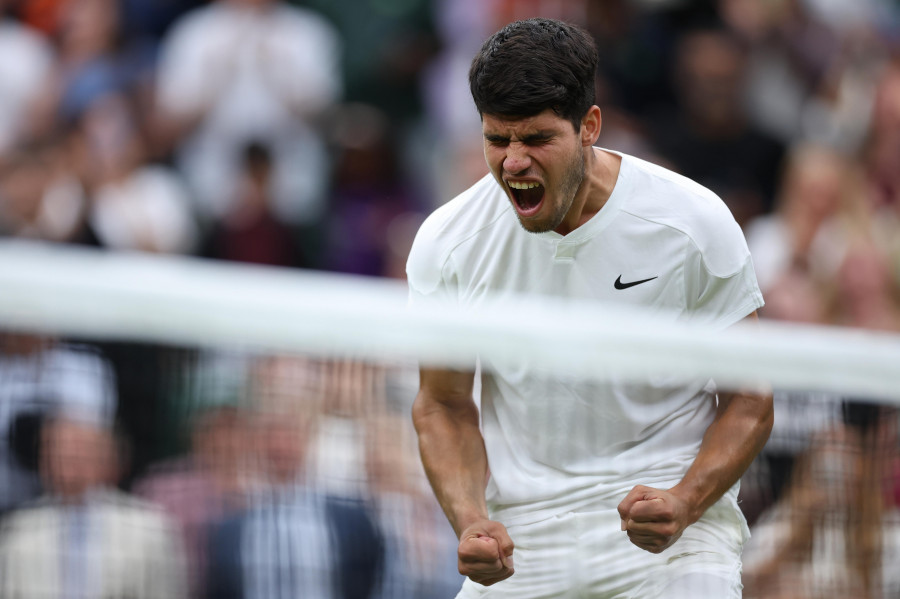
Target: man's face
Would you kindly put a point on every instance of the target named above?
(77, 457)
(539, 162)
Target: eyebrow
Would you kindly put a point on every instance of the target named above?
(530, 138)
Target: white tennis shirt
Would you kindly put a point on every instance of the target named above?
(556, 445)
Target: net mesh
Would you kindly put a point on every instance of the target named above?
(174, 429)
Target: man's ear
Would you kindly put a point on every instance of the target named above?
(590, 126)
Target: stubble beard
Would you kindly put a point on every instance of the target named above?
(574, 176)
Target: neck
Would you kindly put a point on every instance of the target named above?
(601, 170)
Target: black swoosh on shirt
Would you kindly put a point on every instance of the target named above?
(620, 285)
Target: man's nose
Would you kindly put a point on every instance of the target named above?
(517, 159)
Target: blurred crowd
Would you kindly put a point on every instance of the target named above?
(318, 134)
(235, 475)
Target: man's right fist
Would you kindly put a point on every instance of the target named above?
(485, 552)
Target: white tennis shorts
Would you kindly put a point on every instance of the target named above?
(585, 555)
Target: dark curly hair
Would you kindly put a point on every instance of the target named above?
(533, 65)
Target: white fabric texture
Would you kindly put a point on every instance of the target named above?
(586, 555)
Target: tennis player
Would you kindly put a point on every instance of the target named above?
(562, 488)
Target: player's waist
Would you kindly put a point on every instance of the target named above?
(589, 499)
(513, 509)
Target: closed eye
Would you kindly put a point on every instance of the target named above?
(496, 140)
(536, 140)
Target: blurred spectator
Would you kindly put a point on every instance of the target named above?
(352, 392)
(203, 488)
(790, 54)
(251, 231)
(386, 47)
(800, 417)
(286, 536)
(458, 161)
(420, 561)
(369, 194)
(25, 63)
(293, 538)
(135, 205)
(882, 153)
(794, 252)
(242, 71)
(94, 59)
(636, 47)
(882, 177)
(708, 138)
(813, 66)
(832, 534)
(865, 292)
(795, 296)
(39, 376)
(152, 18)
(85, 539)
(42, 196)
(805, 233)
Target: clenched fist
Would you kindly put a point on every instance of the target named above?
(653, 518)
(485, 552)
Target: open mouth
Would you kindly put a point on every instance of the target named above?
(527, 196)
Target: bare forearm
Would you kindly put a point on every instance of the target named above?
(739, 432)
(454, 457)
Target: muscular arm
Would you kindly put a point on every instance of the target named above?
(452, 448)
(654, 518)
(450, 442)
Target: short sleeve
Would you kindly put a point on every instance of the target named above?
(720, 283)
(425, 269)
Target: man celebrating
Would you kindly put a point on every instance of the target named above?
(573, 464)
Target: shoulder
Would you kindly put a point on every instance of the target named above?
(454, 224)
(29, 518)
(671, 200)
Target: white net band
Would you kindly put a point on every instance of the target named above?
(194, 302)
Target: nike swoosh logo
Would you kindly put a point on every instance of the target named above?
(620, 285)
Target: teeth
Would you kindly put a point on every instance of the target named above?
(517, 185)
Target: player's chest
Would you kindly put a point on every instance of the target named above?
(633, 270)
